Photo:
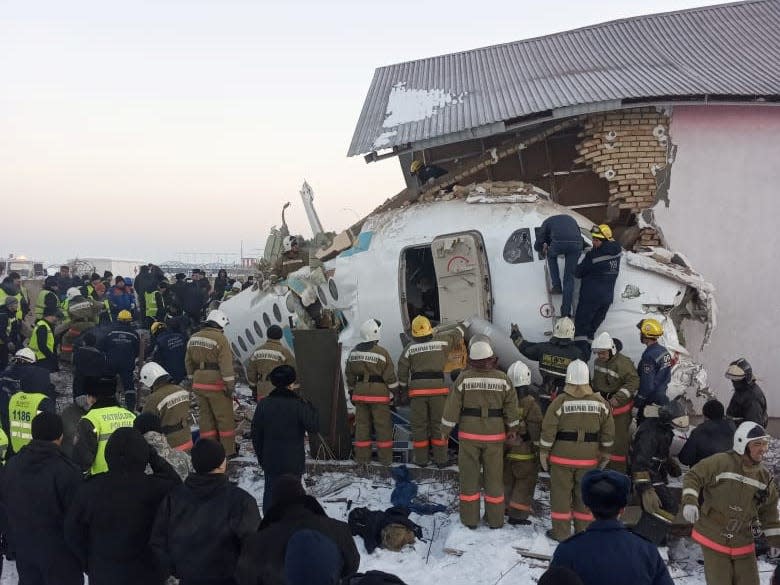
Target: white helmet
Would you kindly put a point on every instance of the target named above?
(237, 285)
(480, 350)
(577, 373)
(152, 372)
(604, 342)
(218, 317)
(26, 355)
(72, 293)
(746, 432)
(519, 373)
(564, 328)
(370, 330)
(287, 243)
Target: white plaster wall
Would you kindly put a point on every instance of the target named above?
(724, 215)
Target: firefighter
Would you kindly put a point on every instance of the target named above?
(554, 356)
(234, 290)
(597, 272)
(42, 340)
(577, 435)
(47, 297)
(33, 394)
(209, 363)
(171, 403)
(121, 344)
(483, 403)
(748, 401)
(655, 367)
(264, 359)
(370, 375)
(421, 370)
(95, 428)
(290, 260)
(652, 463)
(616, 379)
(733, 489)
(521, 461)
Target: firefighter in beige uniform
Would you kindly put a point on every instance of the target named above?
(290, 260)
(371, 378)
(264, 359)
(483, 403)
(734, 489)
(521, 461)
(171, 403)
(616, 379)
(421, 369)
(210, 363)
(577, 434)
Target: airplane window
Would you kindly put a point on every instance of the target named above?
(518, 248)
(322, 297)
(290, 303)
(242, 343)
(249, 336)
(258, 330)
(277, 313)
(266, 320)
(235, 349)
(334, 291)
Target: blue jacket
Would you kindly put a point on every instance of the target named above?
(607, 552)
(599, 270)
(558, 228)
(655, 372)
(120, 301)
(169, 350)
(121, 345)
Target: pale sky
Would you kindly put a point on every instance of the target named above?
(147, 129)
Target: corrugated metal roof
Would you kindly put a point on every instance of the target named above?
(726, 50)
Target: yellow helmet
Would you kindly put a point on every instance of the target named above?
(602, 232)
(421, 326)
(650, 328)
(157, 326)
(415, 166)
(125, 315)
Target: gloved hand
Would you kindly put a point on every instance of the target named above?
(691, 513)
(544, 457)
(673, 467)
(514, 334)
(651, 503)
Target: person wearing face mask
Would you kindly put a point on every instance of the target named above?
(722, 496)
(748, 402)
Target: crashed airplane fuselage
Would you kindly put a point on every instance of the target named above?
(472, 258)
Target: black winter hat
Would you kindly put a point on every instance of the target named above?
(46, 426)
(286, 488)
(105, 386)
(147, 421)
(207, 455)
(282, 376)
(605, 491)
(127, 450)
(51, 311)
(95, 276)
(274, 332)
(713, 409)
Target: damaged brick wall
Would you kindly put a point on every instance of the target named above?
(631, 150)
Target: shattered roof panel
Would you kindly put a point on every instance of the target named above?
(725, 50)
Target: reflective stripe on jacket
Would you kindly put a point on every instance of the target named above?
(105, 421)
(22, 408)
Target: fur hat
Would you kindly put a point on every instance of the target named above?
(127, 450)
(282, 376)
(46, 426)
(274, 332)
(605, 492)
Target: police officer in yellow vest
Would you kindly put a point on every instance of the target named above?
(42, 340)
(23, 406)
(154, 305)
(12, 287)
(95, 428)
(47, 297)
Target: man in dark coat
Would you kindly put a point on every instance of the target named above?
(121, 345)
(169, 349)
(560, 236)
(607, 547)
(38, 486)
(202, 525)
(278, 430)
(268, 557)
(110, 521)
(748, 402)
(714, 435)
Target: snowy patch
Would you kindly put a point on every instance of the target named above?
(412, 105)
(384, 139)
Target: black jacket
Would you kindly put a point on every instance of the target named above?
(553, 356)
(748, 403)
(278, 428)
(709, 438)
(170, 348)
(599, 270)
(558, 228)
(88, 362)
(650, 450)
(38, 487)
(263, 556)
(13, 336)
(200, 528)
(110, 521)
(50, 361)
(121, 345)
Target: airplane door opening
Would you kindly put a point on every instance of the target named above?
(448, 281)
